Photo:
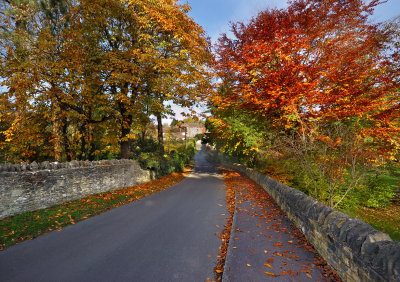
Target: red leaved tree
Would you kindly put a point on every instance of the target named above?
(318, 74)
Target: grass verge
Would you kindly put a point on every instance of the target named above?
(29, 225)
(386, 220)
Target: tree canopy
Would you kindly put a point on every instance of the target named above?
(78, 77)
(320, 82)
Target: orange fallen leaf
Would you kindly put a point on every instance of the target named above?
(248, 264)
(277, 244)
(267, 265)
(270, 260)
(284, 273)
(308, 275)
(270, 274)
(251, 251)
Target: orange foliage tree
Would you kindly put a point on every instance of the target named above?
(78, 76)
(320, 76)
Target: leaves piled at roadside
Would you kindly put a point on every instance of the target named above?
(251, 199)
(29, 225)
(274, 215)
(229, 177)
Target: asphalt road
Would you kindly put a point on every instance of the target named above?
(168, 236)
(264, 245)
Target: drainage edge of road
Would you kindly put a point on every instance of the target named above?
(228, 258)
(226, 232)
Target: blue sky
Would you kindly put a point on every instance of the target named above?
(215, 15)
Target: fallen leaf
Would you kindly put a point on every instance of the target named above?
(308, 275)
(248, 264)
(270, 260)
(267, 265)
(270, 274)
(251, 251)
(277, 244)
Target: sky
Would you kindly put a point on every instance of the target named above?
(214, 15)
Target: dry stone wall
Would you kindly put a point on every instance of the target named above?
(28, 187)
(353, 248)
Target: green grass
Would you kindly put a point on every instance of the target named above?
(29, 225)
(386, 220)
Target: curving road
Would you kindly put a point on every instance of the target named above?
(168, 236)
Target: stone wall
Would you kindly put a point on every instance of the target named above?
(27, 187)
(353, 248)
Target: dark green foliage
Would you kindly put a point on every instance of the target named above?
(164, 164)
(375, 193)
(146, 145)
(378, 193)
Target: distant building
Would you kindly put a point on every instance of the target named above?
(194, 128)
(188, 130)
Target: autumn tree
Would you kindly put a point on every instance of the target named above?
(179, 71)
(79, 76)
(318, 76)
(17, 109)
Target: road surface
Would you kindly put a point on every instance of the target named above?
(168, 236)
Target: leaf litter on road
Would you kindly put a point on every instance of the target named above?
(243, 189)
(29, 225)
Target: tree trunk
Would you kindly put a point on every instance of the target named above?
(125, 147)
(82, 130)
(143, 135)
(56, 127)
(65, 139)
(92, 145)
(160, 133)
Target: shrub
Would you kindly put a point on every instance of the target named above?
(166, 164)
(379, 193)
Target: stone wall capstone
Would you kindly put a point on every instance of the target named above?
(28, 187)
(353, 248)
